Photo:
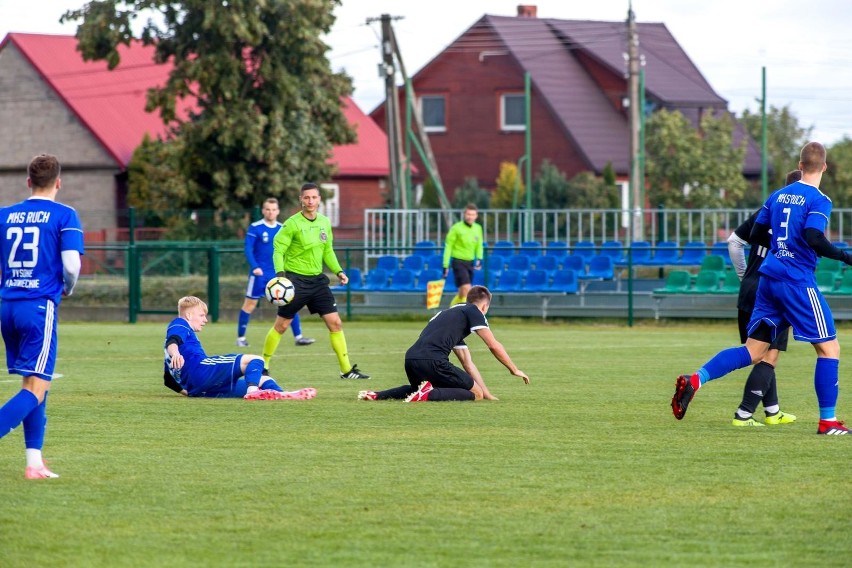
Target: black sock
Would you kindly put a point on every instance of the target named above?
(756, 386)
(398, 393)
(450, 394)
(771, 397)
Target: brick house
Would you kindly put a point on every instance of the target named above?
(93, 119)
(472, 95)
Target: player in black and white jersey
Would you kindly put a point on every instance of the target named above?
(431, 376)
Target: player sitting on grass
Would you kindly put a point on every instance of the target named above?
(188, 370)
(429, 358)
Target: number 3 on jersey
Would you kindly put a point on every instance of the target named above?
(784, 224)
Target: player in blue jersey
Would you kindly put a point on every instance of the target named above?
(431, 376)
(258, 251)
(761, 385)
(40, 246)
(787, 292)
(188, 370)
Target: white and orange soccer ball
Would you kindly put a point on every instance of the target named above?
(280, 291)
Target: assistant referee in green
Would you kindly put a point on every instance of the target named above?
(463, 251)
(300, 249)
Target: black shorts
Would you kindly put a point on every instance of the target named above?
(780, 342)
(311, 291)
(441, 374)
(462, 271)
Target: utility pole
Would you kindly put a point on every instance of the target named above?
(388, 71)
(634, 123)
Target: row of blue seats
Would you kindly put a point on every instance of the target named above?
(403, 280)
(644, 253)
(498, 263)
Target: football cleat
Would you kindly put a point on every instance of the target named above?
(354, 373)
(39, 473)
(747, 422)
(367, 395)
(242, 342)
(832, 428)
(421, 394)
(304, 341)
(269, 394)
(684, 391)
(779, 418)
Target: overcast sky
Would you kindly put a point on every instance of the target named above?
(805, 46)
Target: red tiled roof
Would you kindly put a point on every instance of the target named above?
(111, 104)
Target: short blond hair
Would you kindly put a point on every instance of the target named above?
(188, 302)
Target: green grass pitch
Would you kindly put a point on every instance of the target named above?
(583, 467)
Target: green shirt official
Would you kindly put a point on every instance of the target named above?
(464, 242)
(303, 245)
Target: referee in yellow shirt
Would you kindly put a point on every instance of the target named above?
(300, 249)
(463, 252)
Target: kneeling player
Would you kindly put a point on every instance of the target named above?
(431, 376)
(188, 370)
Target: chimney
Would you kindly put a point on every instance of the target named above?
(527, 11)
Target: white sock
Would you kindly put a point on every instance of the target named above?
(743, 415)
(772, 409)
(252, 388)
(34, 458)
(298, 337)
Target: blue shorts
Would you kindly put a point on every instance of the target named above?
(29, 332)
(780, 305)
(218, 376)
(255, 288)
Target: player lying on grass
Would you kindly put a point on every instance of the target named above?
(431, 376)
(188, 370)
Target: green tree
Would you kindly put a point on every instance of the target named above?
(784, 140)
(266, 107)
(508, 182)
(587, 191)
(429, 198)
(550, 188)
(471, 192)
(837, 180)
(689, 167)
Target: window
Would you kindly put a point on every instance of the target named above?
(434, 109)
(330, 204)
(513, 112)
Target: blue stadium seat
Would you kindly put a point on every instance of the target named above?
(586, 249)
(377, 279)
(547, 263)
(601, 267)
(530, 248)
(615, 250)
(666, 253)
(573, 262)
(356, 280)
(505, 248)
(556, 248)
(520, 262)
(564, 280)
(641, 252)
(496, 262)
(693, 252)
(720, 248)
(388, 262)
(402, 280)
(510, 281)
(425, 248)
(536, 281)
(435, 261)
(427, 276)
(415, 263)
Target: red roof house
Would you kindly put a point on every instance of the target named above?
(93, 119)
(472, 95)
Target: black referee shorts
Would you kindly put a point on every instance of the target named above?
(462, 271)
(441, 374)
(781, 338)
(311, 291)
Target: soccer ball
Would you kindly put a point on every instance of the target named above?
(280, 291)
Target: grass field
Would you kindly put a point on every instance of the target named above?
(583, 467)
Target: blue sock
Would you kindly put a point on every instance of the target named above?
(724, 362)
(254, 370)
(296, 326)
(826, 386)
(15, 410)
(270, 384)
(34, 426)
(242, 323)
